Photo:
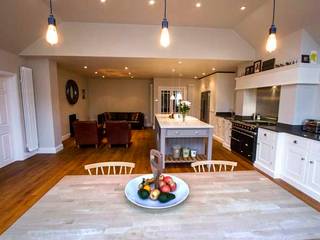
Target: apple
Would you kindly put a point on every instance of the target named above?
(165, 188)
(167, 179)
(161, 183)
(173, 186)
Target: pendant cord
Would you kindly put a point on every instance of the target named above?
(50, 7)
(274, 10)
(165, 9)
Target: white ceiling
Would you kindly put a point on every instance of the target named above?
(213, 13)
(144, 68)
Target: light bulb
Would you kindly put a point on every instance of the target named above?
(165, 37)
(52, 34)
(271, 43)
(172, 97)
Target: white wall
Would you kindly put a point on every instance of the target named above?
(47, 104)
(119, 95)
(80, 108)
(129, 40)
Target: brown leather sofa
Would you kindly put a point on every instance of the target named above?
(87, 133)
(136, 119)
(118, 132)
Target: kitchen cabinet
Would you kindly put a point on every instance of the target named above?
(266, 152)
(294, 159)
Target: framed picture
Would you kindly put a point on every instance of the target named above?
(268, 64)
(257, 66)
(305, 58)
(252, 69)
(247, 70)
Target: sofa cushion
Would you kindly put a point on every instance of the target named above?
(135, 117)
(122, 116)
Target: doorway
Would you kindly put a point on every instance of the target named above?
(205, 106)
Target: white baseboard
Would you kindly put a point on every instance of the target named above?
(52, 150)
(65, 137)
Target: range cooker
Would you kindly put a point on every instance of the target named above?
(244, 137)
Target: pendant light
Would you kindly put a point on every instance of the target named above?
(272, 39)
(165, 37)
(52, 34)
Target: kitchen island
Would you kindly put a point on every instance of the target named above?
(191, 133)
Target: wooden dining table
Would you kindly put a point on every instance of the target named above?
(233, 205)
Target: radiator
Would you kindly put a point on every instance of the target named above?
(29, 110)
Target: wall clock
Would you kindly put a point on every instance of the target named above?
(72, 92)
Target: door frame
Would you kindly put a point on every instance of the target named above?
(171, 88)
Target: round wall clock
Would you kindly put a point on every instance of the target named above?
(72, 92)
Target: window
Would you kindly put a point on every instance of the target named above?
(166, 104)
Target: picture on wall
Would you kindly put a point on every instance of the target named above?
(257, 66)
(268, 64)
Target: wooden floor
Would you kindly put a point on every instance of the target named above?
(24, 183)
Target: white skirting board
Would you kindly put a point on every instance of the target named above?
(65, 137)
(50, 150)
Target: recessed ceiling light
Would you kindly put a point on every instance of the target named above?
(213, 69)
(243, 8)
(195, 77)
(132, 77)
(152, 2)
(180, 62)
(103, 76)
(85, 67)
(103, 1)
(95, 73)
(129, 73)
(126, 68)
(173, 70)
(198, 4)
(203, 73)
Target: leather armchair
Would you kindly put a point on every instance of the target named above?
(87, 133)
(118, 132)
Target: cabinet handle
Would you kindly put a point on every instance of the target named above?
(311, 162)
(295, 141)
(302, 159)
(265, 134)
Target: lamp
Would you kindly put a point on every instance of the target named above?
(52, 34)
(165, 36)
(272, 39)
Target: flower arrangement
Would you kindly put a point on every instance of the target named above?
(184, 108)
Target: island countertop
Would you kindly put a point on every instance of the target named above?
(190, 122)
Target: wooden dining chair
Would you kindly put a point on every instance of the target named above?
(112, 167)
(206, 166)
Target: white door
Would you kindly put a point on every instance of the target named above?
(5, 138)
(295, 163)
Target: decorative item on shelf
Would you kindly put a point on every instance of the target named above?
(185, 152)
(193, 153)
(176, 150)
(314, 57)
(257, 66)
(184, 108)
(292, 62)
(72, 92)
(268, 64)
(305, 58)
(247, 71)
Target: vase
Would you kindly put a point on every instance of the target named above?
(184, 117)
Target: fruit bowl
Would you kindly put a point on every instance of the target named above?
(181, 193)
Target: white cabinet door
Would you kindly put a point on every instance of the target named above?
(295, 163)
(265, 154)
(313, 176)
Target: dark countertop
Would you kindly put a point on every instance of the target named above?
(292, 129)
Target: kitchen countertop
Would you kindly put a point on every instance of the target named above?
(190, 122)
(292, 129)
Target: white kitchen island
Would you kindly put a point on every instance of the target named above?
(191, 133)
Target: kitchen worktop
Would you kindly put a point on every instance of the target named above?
(292, 129)
(190, 122)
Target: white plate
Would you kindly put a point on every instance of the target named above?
(132, 188)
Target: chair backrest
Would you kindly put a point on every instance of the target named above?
(85, 131)
(156, 162)
(113, 168)
(206, 166)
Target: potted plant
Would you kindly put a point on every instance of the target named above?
(184, 108)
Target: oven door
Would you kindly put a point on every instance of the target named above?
(243, 143)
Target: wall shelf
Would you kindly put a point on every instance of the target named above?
(289, 75)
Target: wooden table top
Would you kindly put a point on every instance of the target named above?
(238, 205)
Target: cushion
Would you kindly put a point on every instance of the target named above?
(134, 117)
